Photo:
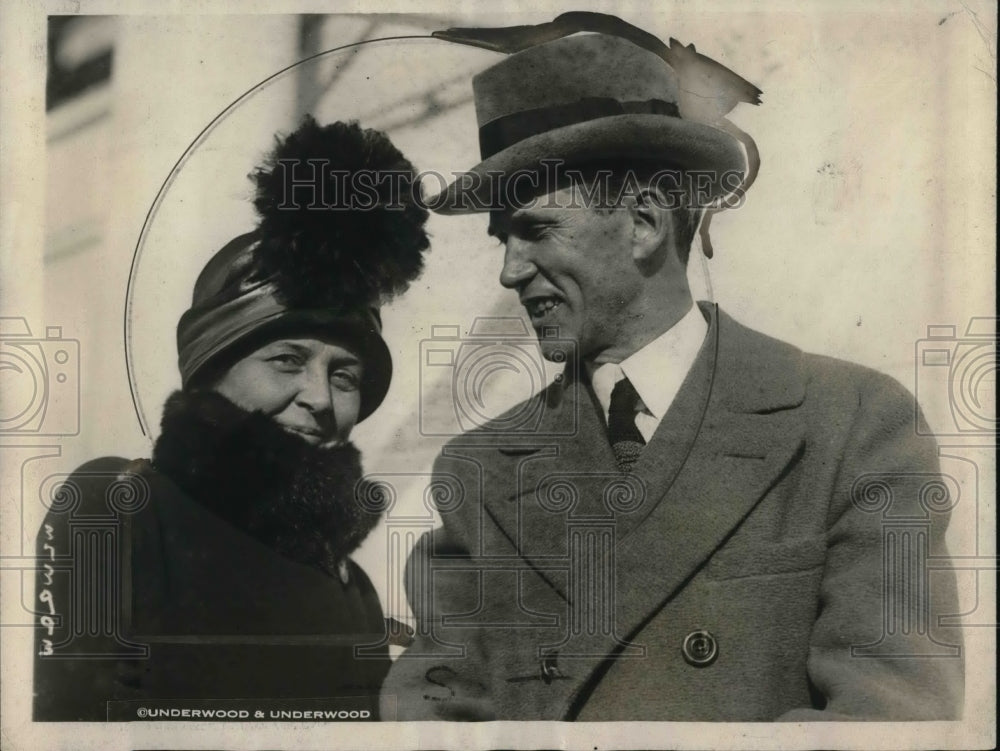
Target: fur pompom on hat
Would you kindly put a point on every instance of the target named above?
(339, 234)
(336, 202)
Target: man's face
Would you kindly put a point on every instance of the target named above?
(310, 387)
(572, 269)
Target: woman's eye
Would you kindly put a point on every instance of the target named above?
(345, 380)
(286, 361)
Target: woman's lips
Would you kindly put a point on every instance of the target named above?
(309, 434)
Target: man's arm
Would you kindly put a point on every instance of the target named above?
(876, 651)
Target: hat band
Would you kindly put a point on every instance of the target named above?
(499, 134)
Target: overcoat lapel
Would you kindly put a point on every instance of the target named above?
(555, 481)
(727, 438)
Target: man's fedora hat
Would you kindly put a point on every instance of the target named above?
(585, 98)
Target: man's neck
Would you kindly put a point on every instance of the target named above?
(650, 324)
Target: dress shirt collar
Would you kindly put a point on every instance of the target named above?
(658, 369)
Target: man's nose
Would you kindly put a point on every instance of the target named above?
(518, 267)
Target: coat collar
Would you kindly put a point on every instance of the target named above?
(298, 499)
(729, 435)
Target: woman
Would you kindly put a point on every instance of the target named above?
(220, 569)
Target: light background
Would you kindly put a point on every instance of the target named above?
(873, 215)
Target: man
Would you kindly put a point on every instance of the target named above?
(693, 530)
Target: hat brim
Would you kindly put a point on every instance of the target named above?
(691, 146)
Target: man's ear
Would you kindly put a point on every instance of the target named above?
(652, 225)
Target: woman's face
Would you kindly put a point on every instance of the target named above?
(311, 387)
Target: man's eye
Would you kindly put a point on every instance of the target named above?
(345, 380)
(531, 232)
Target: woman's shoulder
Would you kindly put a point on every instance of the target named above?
(104, 465)
(103, 486)
(111, 469)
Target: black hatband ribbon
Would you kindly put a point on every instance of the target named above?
(499, 134)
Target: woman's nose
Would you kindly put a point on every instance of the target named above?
(314, 391)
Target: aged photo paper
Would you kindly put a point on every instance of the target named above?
(135, 138)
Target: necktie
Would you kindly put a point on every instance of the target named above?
(626, 440)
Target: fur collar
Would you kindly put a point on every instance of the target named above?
(296, 498)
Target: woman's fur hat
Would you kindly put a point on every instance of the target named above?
(340, 232)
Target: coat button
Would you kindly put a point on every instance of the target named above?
(550, 670)
(700, 648)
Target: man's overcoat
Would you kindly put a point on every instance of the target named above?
(766, 559)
